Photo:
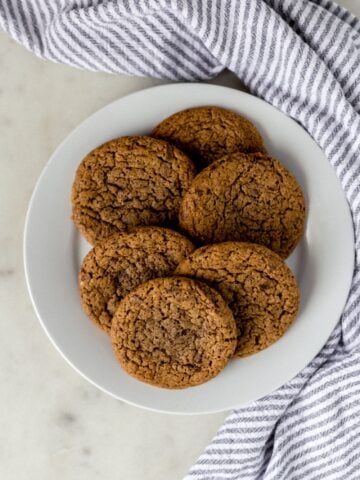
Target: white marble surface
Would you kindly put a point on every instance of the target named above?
(53, 424)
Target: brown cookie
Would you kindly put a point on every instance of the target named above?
(245, 198)
(258, 286)
(173, 333)
(128, 182)
(208, 133)
(121, 262)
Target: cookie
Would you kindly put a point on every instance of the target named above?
(208, 133)
(128, 182)
(260, 289)
(173, 333)
(249, 198)
(121, 262)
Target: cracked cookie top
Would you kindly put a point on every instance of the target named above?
(208, 133)
(118, 264)
(129, 182)
(251, 198)
(173, 333)
(260, 289)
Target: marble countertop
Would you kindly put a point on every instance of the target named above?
(55, 425)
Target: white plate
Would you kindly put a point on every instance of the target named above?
(322, 263)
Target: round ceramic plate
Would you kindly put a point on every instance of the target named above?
(322, 263)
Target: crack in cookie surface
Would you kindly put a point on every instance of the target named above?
(260, 289)
(208, 133)
(173, 333)
(118, 264)
(250, 198)
(129, 182)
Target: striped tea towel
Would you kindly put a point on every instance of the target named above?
(303, 56)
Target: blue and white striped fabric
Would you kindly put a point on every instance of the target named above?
(303, 56)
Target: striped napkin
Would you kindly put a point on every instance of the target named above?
(302, 56)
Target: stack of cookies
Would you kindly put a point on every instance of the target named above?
(190, 227)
